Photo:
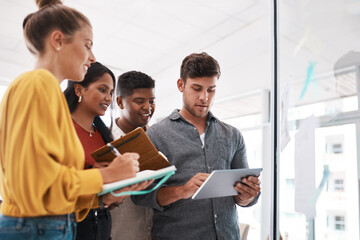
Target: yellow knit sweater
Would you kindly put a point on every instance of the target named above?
(41, 157)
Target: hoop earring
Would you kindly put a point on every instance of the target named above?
(80, 99)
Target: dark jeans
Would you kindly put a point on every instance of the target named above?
(96, 225)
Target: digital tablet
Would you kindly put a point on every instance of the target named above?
(221, 183)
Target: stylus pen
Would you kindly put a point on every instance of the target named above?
(114, 149)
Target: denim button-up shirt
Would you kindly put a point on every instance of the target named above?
(224, 148)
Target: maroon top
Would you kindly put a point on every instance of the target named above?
(90, 143)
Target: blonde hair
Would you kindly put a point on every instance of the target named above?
(52, 15)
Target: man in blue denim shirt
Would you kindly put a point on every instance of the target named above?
(197, 143)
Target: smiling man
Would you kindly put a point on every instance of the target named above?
(197, 143)
(136, 100)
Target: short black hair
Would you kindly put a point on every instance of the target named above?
(199, 65)
(131, 80)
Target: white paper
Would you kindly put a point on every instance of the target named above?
(305, 168)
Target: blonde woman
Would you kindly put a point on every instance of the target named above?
(42, 180)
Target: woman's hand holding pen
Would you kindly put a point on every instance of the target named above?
(122, 167)
(125, 166)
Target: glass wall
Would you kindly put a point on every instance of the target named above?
(319, 83)
(319, 57)
(251, 117)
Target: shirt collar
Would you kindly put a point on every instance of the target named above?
(175, 115)
(118, 132)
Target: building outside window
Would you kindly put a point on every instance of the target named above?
(339, 185)
(339, 223)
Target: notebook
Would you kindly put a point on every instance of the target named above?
(164, 173)
(221, 183)
(135, 141)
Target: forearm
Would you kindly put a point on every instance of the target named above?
(168, 195)
(246, 204)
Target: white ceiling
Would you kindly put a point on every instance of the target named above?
(154, 36)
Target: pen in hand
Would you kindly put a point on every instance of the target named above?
(114, 149)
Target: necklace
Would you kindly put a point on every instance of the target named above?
(90, 132)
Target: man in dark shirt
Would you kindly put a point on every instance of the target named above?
(197, 143)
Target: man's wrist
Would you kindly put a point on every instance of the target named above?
(168, 195)
(179, 192)
(243, 203)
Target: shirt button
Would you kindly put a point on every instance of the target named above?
(215, 216)
(202, 147)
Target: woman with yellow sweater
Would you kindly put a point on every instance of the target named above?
(42, 181)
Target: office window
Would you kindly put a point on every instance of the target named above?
(339, 223)
(334, 144)
(336, 222)
(336, 181)
(339, 185)
(337, 148)
(334, 148)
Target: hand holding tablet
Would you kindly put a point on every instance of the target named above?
(221, 183)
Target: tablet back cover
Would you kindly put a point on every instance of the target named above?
(221, 183)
